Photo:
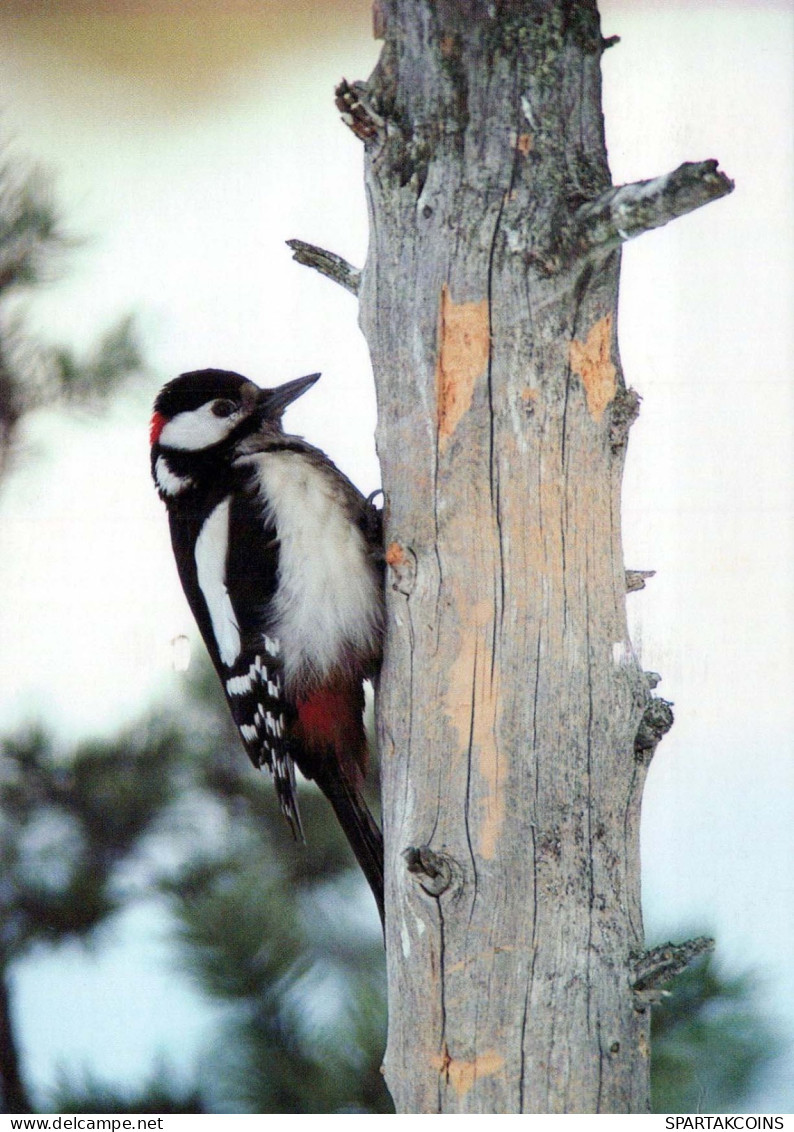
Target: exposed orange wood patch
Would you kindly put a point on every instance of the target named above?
(524, 144)
(461, 1075)
(395, 555)
(475, 721)
(592, 361)
(464, 337)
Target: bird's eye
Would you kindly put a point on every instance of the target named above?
(223, 408)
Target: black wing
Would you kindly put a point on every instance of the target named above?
(253, 681)
(254, 684)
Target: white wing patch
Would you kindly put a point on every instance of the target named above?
(328, 598)
(211, 548)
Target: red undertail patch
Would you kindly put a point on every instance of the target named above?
(332, 718)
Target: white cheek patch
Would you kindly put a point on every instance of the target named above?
(197, 429)
(211, 548)
(169, 482)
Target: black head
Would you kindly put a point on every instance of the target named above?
(209, 407)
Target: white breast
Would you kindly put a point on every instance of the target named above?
(328, 601)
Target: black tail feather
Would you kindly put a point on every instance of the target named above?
(359, 826)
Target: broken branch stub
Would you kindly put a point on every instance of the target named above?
(654, 969)
(626, 211)
(329, 264)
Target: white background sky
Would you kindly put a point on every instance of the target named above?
(188, 190)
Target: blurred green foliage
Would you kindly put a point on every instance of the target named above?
(159, 1095)
(31, 236)
(33, 247)
(709, 1042)
(285, 934)
(67, 820)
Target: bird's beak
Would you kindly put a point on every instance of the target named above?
(275, 401)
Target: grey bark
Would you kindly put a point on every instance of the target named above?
(515, 724)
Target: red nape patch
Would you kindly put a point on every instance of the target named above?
(332, 717)
(156, 426)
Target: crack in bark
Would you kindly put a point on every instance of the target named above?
(564, 564)
(442, 970)
(411, 645)
(580, 290)
(579, 294)
(522, 1054)
(600, 1085)
(533, 944)
(552, 1028)
(637, 928)
(535, 719)
(589, 811)
(499, 607)
(564, 419)
(615, 552)
(467, 810)
(436, 539)
(438, 812)
(493, 470)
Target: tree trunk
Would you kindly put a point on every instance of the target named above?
(510, 698)
(13, 1097)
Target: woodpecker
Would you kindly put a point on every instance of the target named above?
(280, 559)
